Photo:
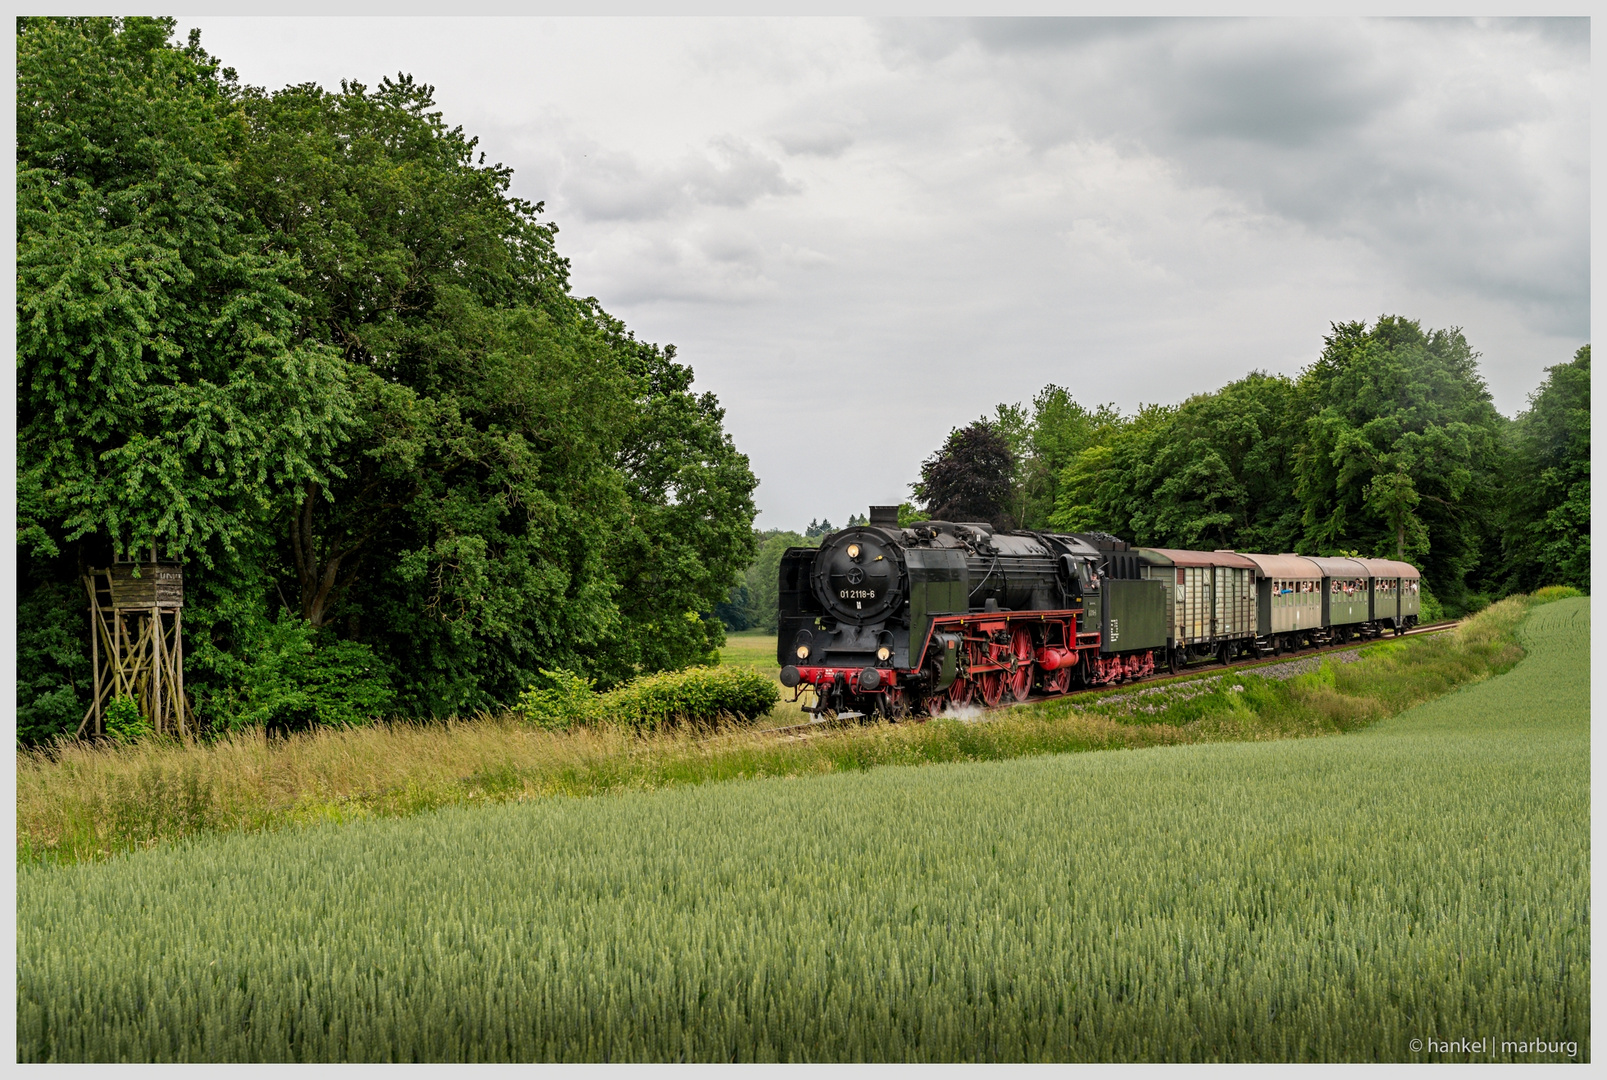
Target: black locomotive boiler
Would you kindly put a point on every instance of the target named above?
(889, 620)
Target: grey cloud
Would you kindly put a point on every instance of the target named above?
(1570, 32)
(1035, 32)
(816, 139)
(1288, 97)
(613, 186)
(1415, 137)
(736, 175)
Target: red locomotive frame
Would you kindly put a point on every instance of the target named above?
(1004, 654)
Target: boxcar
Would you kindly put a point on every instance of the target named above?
(1213, 600)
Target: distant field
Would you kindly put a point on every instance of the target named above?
(756, 649)
(1426, 878)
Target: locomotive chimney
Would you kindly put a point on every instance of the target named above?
(884, 515)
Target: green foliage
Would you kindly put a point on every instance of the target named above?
(697, 696)
(1546, 534)
(532, 486)
(295, 681)
(969, 478)
(761, 582)
(1401, 450)
(124, 722)
(164, 394)
(701, 695)
(1429, 608)
(559, 700)
(1045, 443)
(1304, 899)
(53, 669)
(309, 342)
(909, 515)
(1210, 473)
(738, 611)
(1555, 592)
(1387, 445)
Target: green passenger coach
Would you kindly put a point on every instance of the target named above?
(1346, 585)
(1288, 600)
(1393, 598)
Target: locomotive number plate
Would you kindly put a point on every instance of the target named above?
(856, 594)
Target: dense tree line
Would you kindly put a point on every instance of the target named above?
(308, 343)
(1387, 445)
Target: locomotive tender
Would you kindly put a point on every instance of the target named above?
(896, 620)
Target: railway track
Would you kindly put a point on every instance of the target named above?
(1190, 674)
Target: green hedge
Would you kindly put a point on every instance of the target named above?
(699, 695)
(1556, 592)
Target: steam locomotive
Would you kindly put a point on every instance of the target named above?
(892, 621)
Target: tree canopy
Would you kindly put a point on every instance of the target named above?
(308, 342)
(969, 478)
(1386, 445)
(1546, 534)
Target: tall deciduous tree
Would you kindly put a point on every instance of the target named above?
(309, 342)
(530, 485)
(1400, 454)
(969, 478)
(1211, 472)
(1060, 428)
(164, 395)
(1546, 536)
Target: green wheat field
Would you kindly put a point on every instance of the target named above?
(1328, 899)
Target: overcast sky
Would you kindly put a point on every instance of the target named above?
(861, 234)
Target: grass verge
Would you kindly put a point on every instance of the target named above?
(78, 802)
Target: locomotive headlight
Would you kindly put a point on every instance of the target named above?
(883, 653)
(853, 551)
(803, 652)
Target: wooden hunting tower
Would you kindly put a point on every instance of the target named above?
(136, 644)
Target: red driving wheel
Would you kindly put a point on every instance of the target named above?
(990, 684)
(1020, 678)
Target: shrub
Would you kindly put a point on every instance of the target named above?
(697, 695)
(1429, 609)
(1555, 592)
(124, 721)
(559, 700)
(297, 681)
